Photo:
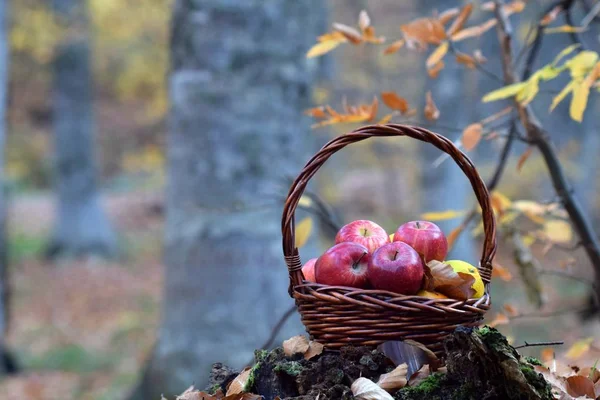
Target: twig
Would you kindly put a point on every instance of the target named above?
(593, 13)
(540, 139)
(527, 344)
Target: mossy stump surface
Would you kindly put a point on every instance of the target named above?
(481, 366)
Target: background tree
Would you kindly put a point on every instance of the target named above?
(235, 132)
(81, 225)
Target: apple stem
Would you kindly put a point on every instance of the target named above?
(395, 255)
(418, 225)
(358, 261)
(365, 232)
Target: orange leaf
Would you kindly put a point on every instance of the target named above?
(447, 15)
(395, 102)
(363, 20)
(316, 112)
(511, 310)
(349, 32)
(467, 60)
(474, 31)
(445, 280)
(578, 385)
(431, 111)
(424, 31)
(386, 118)
(394, 47)
(551, 16)
(471, 136)
(323, 47)
(437, 55)
(434, 71)
(373, 109)
(523, 158)
(501, 272)
(500, 319)
(510, 8)
(454, 234)
(369, 36)
(547, 354)
(459, 22)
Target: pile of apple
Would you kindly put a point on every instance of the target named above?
(409, 262)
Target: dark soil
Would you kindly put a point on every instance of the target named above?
(481, 365)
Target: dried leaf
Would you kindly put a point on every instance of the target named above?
(471, 136)
(349, 32)
(547, 354)
(447, 15)
(363, 20)
(242, 396)
(366, 389)
(386, 118)
(510, 8)
(395, 102)
(295, 345)
(316, 112)
(434, 361)
(500, 319)
(369, 36)
(591, 372)
(579, 348)
(395, 379)
(442, 215)
(557, 383)
(456, 285)
(322, 47)
(511, 310)
(238, 384)
(501, 272)
(474, 31)
(431, 111)
(580, 386)
(524, 157)
(424, 31)
(419, 376)
(467, 60)
(394, 47)
(558, 231)
(551, 16)
(314, 349)
(434, 71)
(303, 230)
(437, 55)
(459, 22)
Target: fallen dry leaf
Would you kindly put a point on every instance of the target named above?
(295, 345)
(557, 383)
(395, 379)
(394, 47)
(592, 373)
(366, 389)
(500, 319)
(501, 272)
(419, 376)
(579, 348)
(435, 70)
(314, 349)
(580, 386)
(395, 102)
(547, 354)
(511, 310)
(238, 384)
(471, 136)
(456, 285)
(434, 361)
(431, 111)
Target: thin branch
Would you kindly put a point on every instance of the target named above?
(593, 13)
(540, 138)
(527, 344)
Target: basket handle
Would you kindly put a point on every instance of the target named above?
(290, 250)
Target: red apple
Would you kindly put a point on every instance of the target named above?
(364, 232)
(345, 264)
(425, 237)
(396, 267)
(308, 270)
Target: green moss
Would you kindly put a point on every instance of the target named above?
(537, 381)
(463, 392)
(424, 390)
(260, 355)
(252, 377)
(292, 368)
(533, 361)
(214, 388)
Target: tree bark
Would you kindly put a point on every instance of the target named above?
(3, 103)
(238, 85)
(82, 226)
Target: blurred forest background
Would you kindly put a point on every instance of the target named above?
(140, 247)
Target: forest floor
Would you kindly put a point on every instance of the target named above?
(83, 329)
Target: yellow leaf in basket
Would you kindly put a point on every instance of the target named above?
(303, 230)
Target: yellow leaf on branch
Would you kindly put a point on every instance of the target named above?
(437, 55)
(442, 215)
(558, 231)
(303, 230)
(471, 136)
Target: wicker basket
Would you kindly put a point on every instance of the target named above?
(338, 316)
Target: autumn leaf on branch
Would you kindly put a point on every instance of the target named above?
(431, 111)
(326, 43)
(351, 114)
(395, 102)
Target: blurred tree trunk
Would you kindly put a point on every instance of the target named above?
(238, 85)
(82, 226)
(3, 124)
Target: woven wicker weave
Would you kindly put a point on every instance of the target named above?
(338, 316)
